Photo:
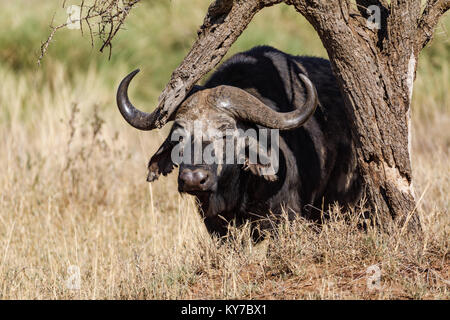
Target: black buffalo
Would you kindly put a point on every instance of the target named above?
(263, 88)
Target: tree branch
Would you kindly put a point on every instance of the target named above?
(107, 14)
(434, 9)
(403, 17)
(223, 24)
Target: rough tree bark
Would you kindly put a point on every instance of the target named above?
(375, 70)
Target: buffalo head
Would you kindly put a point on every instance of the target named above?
(204, 120)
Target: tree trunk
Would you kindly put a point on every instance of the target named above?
(374, 67)
(376, 79)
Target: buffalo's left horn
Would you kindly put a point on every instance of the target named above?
(244, 106)
(138, 119)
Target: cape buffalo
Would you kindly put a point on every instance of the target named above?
(262, 88)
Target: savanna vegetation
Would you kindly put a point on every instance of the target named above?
(73, 189)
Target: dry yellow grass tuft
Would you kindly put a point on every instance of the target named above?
(73, 197)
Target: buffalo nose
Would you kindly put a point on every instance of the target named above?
(194, 180)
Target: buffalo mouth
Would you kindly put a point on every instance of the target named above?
(200, 194)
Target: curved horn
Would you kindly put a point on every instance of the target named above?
(138, 119)
(249, 108)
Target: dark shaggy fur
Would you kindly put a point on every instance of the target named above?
(317, 161)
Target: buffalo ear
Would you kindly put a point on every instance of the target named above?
(259, 169)
(161, 162)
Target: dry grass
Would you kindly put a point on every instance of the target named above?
(73, 192)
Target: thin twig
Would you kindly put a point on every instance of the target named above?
(107, 14)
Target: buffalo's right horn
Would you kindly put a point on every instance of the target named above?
(138, 119)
